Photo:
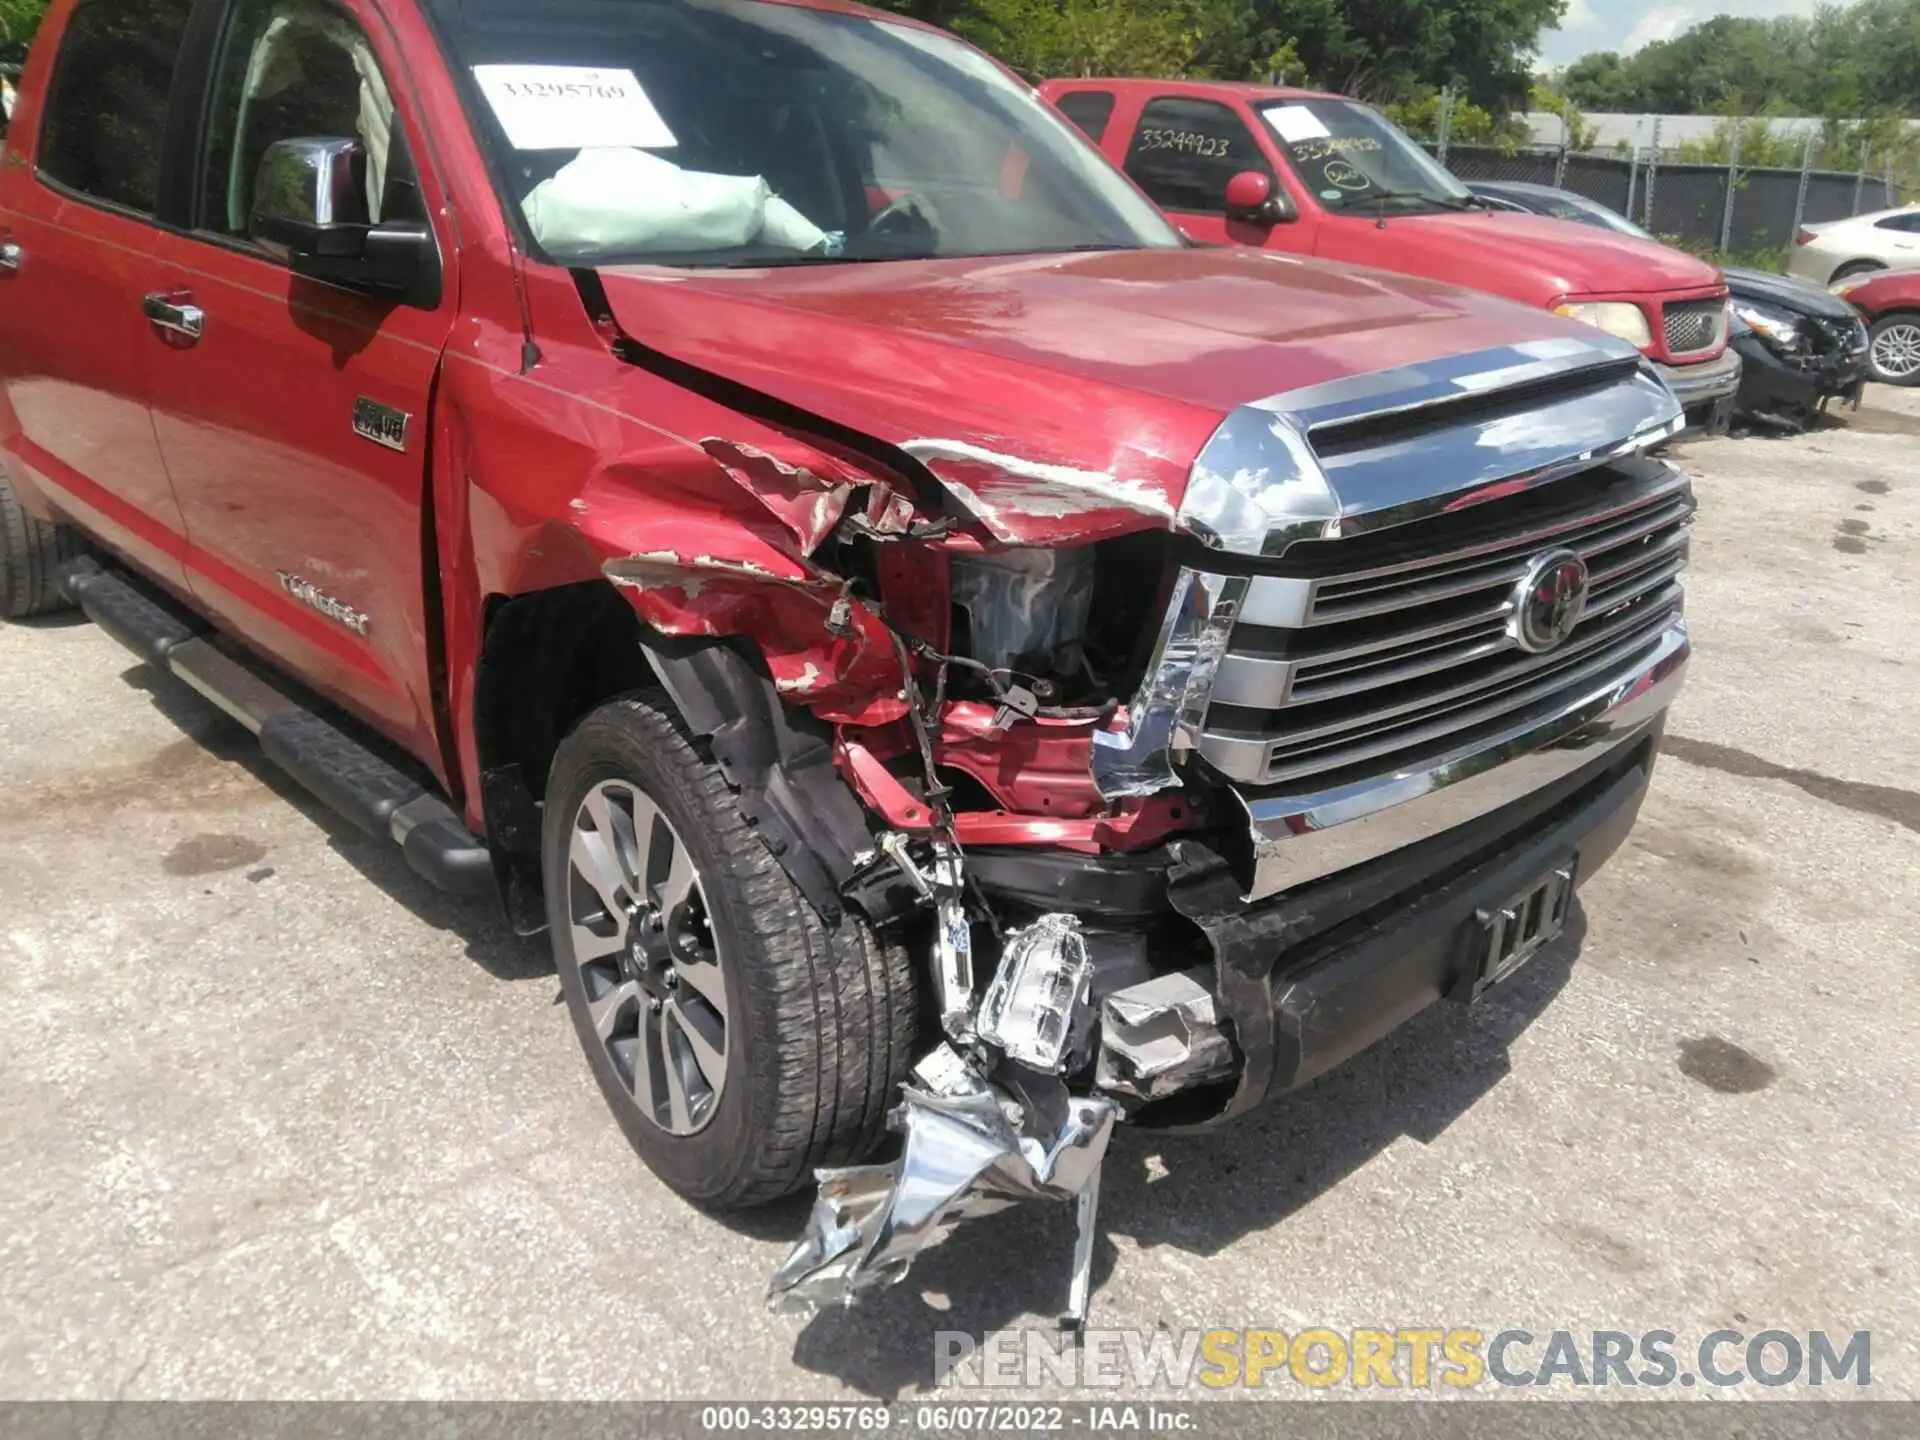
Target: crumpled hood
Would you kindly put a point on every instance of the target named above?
(1537, 259)
(1788, 293)
(1070, 393)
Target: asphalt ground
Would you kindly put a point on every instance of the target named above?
(280, 1121)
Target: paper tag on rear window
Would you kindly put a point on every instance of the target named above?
(567, 107)
(1296, 123)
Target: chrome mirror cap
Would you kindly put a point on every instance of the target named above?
(311, 195)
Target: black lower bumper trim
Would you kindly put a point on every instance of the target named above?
(1310, 980)
(1775, 391)
(1110, 888)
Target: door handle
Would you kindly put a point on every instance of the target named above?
(175, 316)
(10, 257)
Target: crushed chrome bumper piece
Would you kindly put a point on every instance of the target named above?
(973, 1147)
(988, 1119)
(1161, 1037)
(1035, 1010)
(942, 885)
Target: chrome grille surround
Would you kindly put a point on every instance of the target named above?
(1694, 327)
(1387, 660)
(1350, 651)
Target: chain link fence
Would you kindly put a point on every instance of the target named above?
(1727, 208)
(1722, 208)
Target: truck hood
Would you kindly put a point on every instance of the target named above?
(1538, 259)
(1798, 296)
(1059, 397)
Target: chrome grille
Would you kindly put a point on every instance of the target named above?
(1379, 663)
(1694, 326)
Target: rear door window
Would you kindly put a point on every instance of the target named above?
(1089, 109)
(1184, 152)
(106, 110)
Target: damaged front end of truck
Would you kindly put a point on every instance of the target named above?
(1187, 792)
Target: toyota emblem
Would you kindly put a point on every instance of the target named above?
(1549, 601)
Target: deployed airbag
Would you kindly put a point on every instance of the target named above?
(628, 201)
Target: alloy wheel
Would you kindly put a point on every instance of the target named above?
(641, 938)
(1896, 351)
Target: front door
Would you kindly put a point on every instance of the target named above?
(1183, 152)
(294, 416)
(79, 190)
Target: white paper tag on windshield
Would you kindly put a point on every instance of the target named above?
(567, 107)
(1296, 123)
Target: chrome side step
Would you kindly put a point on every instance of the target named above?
(353, 781)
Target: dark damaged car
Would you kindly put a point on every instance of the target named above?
(951, 667)
(1801, 348)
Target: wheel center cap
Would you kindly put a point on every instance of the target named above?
(648, 958)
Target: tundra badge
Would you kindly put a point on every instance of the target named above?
(311, 595)
(381, 424)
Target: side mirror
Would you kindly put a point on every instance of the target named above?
(310, 208)
(1252, 196)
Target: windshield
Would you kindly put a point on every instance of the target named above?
(735, 132)
(1588, 212)
(1353, 158)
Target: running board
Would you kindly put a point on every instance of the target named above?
(353, 781)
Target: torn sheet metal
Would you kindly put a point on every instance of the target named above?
(807, 503)
(822, 648)
(1035, 1010)
(1168, 710)
(942, 884)
(968, 1153)
(1161, 1037)
(1007, 493)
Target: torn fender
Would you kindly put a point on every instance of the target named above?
(809, 501)
(824, 649)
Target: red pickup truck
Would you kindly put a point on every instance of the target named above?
(1302, 173)
(750, 484)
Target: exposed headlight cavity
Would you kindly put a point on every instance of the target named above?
(1777, 327)
(1026, 610)
(1616, 317)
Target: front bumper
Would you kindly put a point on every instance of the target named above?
(1706, 391)
(1337, 961)
(1780, 391)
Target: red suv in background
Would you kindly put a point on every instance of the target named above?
(1889, 301)
(1314, 174)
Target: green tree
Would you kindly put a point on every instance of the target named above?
(1580, 132)
(1845, 61)
(1470, 125)
(1396, 50)
(1600, 82)
(1383, 50)
(1082, 37)
(18, 20)
(1761, 146)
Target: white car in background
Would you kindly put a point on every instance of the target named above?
(1886, 240)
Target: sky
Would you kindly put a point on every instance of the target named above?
(1626, 25)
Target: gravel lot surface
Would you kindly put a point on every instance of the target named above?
(282, 1122)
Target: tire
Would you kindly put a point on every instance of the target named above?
(817, 1023)
(1853, 268)
(1893, 349)
(30, 551)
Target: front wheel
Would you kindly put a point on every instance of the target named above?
(30, 551)
(1853, 268)
(739, 1040)
(1893, 350)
